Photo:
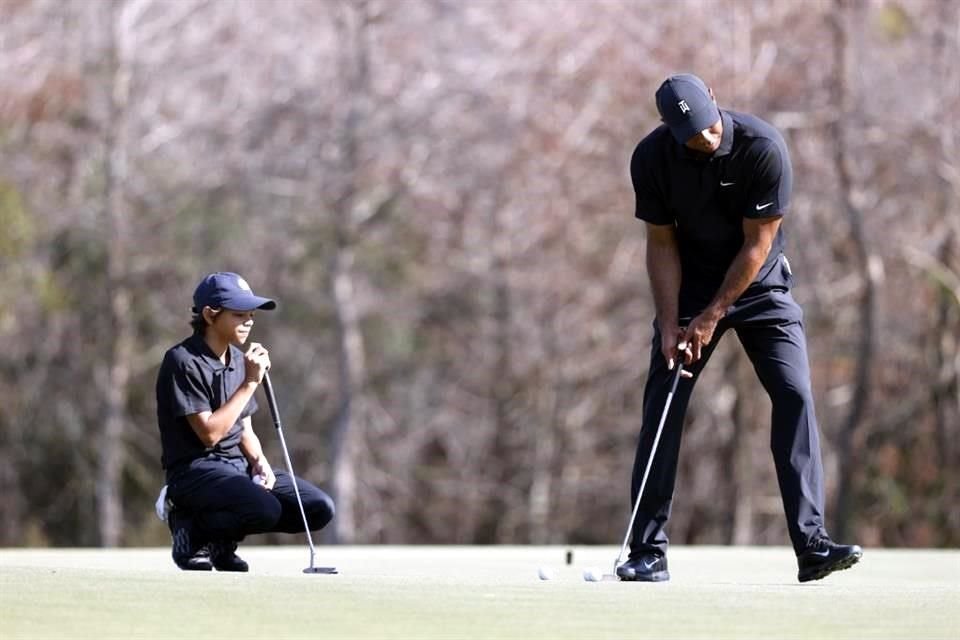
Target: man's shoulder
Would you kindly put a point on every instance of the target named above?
(755, 130)
(653, 144)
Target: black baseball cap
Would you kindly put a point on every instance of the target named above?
(226, 290)
(685, 106)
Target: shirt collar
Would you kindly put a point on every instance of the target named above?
(726, 139)
(208, 356)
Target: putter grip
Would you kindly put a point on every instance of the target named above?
(271, 399)
(676, 378)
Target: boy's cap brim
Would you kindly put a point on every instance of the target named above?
(245, 303)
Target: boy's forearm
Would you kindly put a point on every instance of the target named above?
(250, 445)
(219, 423)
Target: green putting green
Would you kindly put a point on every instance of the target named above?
(474, 592)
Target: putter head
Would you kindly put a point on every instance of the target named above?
(324, 570)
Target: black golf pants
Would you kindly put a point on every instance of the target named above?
(226, 505)
(770, 328)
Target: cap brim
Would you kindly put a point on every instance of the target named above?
(703, 119)
(248, 303)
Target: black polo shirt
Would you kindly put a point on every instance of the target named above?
(192, 379)
(708, 197)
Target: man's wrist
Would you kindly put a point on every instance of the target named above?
(666, 323)
(715, 312)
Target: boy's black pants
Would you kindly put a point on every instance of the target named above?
(226, 505)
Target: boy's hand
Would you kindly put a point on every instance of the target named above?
(263, 474)
(257, 361)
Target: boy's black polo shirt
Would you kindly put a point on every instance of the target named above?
(192, 379)
(707, 198)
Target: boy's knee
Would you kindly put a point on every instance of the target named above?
(321, 512)
(266, 516)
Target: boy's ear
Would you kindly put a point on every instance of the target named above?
(209, 314)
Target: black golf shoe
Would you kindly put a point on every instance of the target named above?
(649, 567)
(224, 557)
(186, 554)
(824, 556)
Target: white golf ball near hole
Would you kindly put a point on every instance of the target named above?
(592, 574)
(545, 573)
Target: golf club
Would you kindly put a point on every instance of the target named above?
(646, 472)
(272, 401)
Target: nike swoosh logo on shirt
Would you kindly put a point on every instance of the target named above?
(726, 184)
(761, 207)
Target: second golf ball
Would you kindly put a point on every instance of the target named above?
(545, 573)
(592, 574)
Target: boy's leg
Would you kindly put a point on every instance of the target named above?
(317, 505)
(187, 551)
(226, 506)
(225, 502)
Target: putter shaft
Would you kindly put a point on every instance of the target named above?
(646, 472)
(275, 414)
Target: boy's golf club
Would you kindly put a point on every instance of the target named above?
(272, 401)
(646, 472)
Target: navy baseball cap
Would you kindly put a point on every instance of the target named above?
(685, 106)
(225, 290)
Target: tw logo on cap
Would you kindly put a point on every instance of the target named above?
(686, 106)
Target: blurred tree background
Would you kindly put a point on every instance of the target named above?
(437, 192)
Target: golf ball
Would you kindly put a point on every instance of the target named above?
(545, 573)
(592, 574)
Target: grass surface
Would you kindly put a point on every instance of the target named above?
(474, 592)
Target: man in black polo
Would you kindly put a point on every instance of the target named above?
(219, 483)
(712, 187)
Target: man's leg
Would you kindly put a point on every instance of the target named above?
(772, 334)
(317, 505)
(649, 531)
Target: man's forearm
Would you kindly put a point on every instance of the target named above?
(663, 268)
(742, 271)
